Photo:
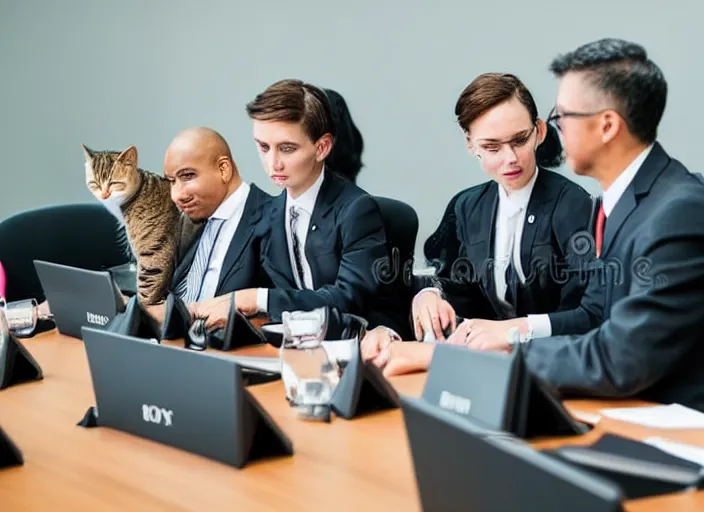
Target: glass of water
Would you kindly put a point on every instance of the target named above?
(309, 375)
(22, 316)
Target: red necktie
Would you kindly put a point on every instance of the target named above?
(599, 231)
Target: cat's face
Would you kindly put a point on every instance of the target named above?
(110, 175)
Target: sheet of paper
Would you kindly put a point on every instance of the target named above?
(266, 364)
(658, 416)
(683, 451)
(586, 417)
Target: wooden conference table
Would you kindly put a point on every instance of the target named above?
(362, 464)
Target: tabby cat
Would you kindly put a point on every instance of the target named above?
(156, 229)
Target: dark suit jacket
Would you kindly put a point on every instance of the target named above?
(650, 344)
(241, 267)
(345, 238)
(551, 255)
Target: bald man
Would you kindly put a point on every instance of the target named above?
(206, 186)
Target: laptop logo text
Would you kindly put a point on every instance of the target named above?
(454, 403)
(158, 415)
(96, 319)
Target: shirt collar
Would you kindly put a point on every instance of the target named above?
(618, 187)
(306, 201)
(231, 203)
(517, 199)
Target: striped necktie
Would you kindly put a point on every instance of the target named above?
(296, 244)
(190, 288)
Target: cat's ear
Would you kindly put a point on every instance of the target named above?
(128, 157)
(87, 152)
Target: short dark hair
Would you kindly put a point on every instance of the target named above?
(623, 71)
(491, 89)
(345, 158)
(295, 101)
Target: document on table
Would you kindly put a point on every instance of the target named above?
(682, 450)
(658, 416)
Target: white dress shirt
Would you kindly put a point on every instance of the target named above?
(540, 324)
(304, 205)
(510, 219)
(231, 210)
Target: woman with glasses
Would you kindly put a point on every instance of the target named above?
(513, 246)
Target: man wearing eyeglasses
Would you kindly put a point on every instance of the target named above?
(650, 240)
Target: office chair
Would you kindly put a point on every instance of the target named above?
(442, 249)
(86, 236)
(393, 304)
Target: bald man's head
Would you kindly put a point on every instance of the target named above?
(199, 165)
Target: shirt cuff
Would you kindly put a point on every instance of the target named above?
(263, 300)
(436, 291)
(540, 326)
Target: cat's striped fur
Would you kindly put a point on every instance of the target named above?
(156, 229)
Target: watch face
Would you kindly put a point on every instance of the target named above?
(513, 336)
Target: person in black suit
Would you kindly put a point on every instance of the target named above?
(206, 186)
(650, 240)
(324, 233)
(509, 249)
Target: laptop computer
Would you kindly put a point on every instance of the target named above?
(195, 401)
(78, 297)
(462, 467)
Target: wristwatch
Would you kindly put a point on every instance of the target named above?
(514, 336)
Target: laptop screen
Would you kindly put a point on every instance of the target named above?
(78, 297)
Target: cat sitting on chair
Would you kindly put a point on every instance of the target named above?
(156, 229)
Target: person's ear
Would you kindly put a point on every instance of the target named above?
(542, 129)
(611, 125)
(323, 146)
(471, 147)
(226, 168)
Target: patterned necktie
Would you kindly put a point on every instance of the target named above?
(297, 258)
(190, 287)
(599, 229)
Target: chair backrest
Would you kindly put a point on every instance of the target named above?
(442, 248)
(392, 305)
(86, 236)
(401, 225)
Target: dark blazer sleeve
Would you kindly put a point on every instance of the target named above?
(581, 300)
(460, 282)
(650, 331)
(363, 242)
(442, 248)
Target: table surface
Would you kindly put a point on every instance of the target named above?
(362, 464)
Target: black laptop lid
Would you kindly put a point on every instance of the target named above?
(166, 394)
(460, 467)
(78, 297)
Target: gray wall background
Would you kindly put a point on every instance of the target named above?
(110, 73)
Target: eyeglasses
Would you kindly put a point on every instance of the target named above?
(493, 147)
(554, 117)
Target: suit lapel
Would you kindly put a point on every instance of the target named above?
(533, 220)
(625, 205)
(640, 186)
(490, 212)
(245, 229)
(319, 223)
(277, 251)
(486, 214)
